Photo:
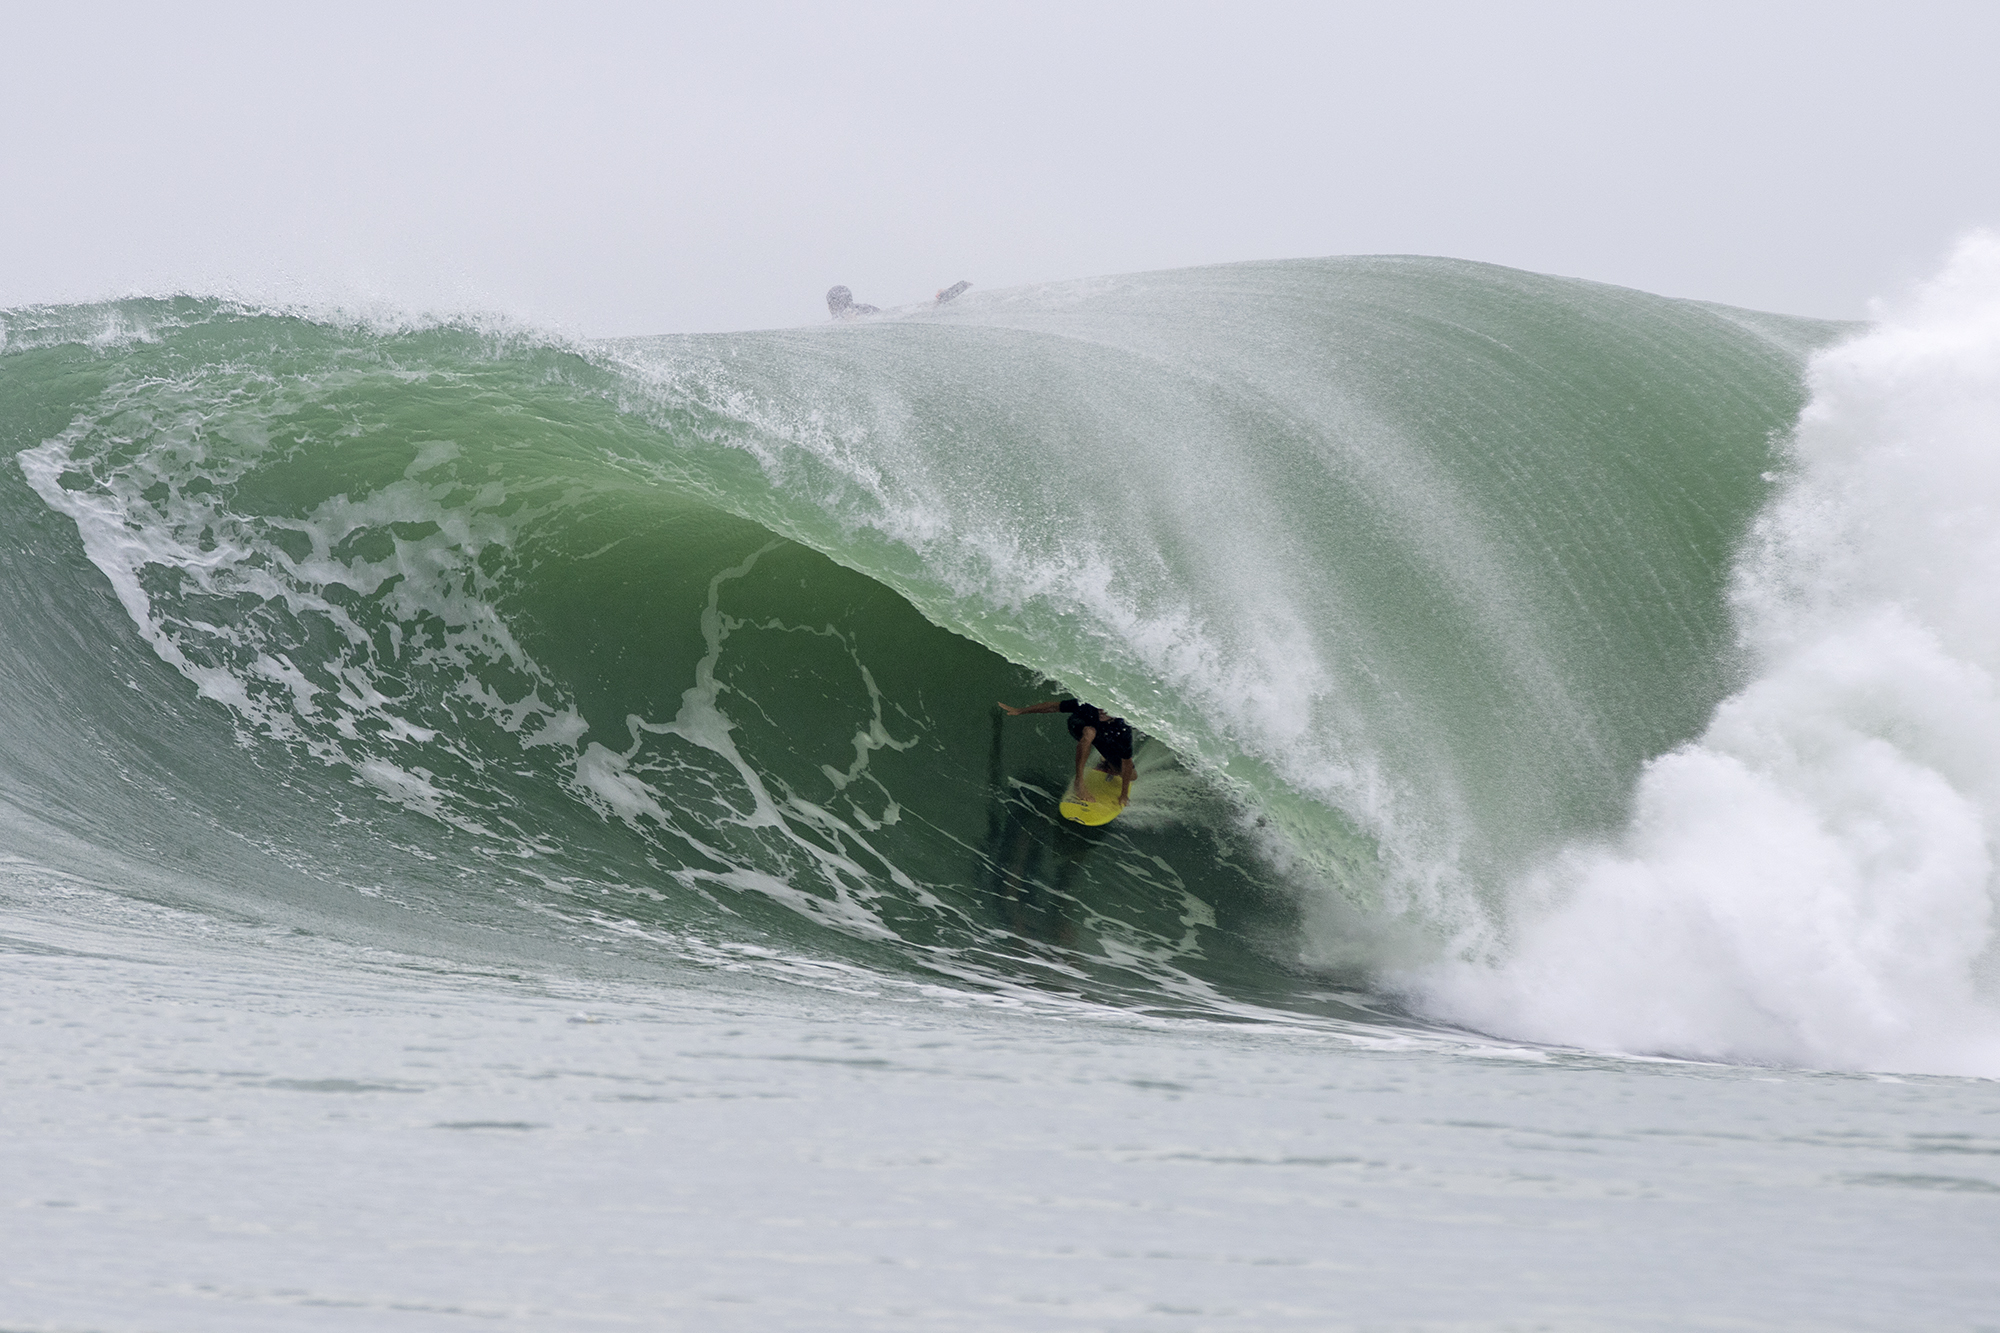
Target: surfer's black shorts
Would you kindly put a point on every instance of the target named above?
(1114, 734)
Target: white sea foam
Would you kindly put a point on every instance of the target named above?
(1813, 880)
(206, 584)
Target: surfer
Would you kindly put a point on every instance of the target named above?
(841, 304)
(1092, 725)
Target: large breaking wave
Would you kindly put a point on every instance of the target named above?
(1426, 579)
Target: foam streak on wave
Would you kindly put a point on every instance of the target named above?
(1813, 881)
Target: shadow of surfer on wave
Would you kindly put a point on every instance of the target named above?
(840, 302)
(1032, 862)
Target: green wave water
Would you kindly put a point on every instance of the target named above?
(686, 648)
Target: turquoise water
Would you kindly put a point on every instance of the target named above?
(1537, 692)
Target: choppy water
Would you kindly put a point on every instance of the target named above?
(471, 794)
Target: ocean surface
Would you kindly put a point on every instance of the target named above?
(500, 829)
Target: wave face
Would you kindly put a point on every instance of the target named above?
(686, 648)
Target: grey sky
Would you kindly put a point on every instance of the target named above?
(625, 168)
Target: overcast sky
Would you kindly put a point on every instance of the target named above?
(627, 168)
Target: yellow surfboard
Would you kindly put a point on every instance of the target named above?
(1102, 807)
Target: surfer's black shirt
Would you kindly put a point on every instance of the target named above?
(1114, 734)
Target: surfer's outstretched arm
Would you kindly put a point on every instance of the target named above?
(1049, 707)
